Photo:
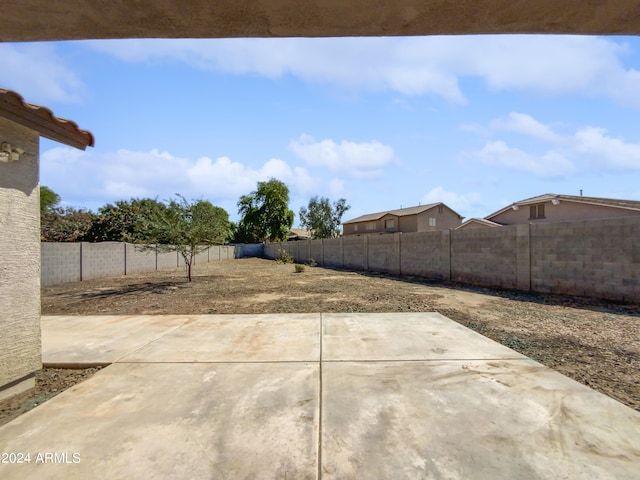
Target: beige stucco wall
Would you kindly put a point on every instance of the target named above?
(444, 221)
(563, 212)
(20, 344)
(408, 223)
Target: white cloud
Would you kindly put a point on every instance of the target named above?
(587, 148)
(232, 179)
(458, 202)
(37, 73)
(526, 125)
(605, 151)
(359, 160)
(335, 188)
(411, 65)
(551, 164)
(106, 177)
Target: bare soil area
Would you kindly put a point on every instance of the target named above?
(49, 383)
(594, 342)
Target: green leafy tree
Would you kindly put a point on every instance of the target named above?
(322, 219)
(124, 221)
(265, 213)
(187, 228)
(65, 224)
(49, 199)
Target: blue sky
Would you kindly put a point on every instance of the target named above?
(474, 121)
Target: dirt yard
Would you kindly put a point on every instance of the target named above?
(596, 343)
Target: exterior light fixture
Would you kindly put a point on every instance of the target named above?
(9, 153)
(555, 201)
(515, 207)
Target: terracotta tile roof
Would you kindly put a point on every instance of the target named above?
(547, 197)
(43, 121)
(401, 212)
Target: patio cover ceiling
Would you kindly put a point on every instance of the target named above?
(42, 20)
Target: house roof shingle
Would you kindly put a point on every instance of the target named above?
(43, 121)
(607, 202)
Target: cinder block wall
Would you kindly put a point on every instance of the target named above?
(166, 260)
(292, 248)
(355, 252)
(137, 260)
(252, 249)
(20, 345)
(484, 256)
(596, 258)
(105, 259)
(332, 248)
(73, 262)
(60, 263)
(426, 254)
(202, 257)
(384, 253)
(316, 251)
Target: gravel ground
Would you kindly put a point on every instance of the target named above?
(594, 342)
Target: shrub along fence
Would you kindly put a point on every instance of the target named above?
(595, 258)
(75, 262)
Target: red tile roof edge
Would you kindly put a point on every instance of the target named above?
(41, 119)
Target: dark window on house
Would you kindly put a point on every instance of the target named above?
(440, 209)
(389, 224)
(536, 211)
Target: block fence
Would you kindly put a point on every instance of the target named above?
(75, 262)
(595, 258)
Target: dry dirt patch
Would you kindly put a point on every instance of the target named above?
(596, 343)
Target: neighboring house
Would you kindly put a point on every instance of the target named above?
(299, 234)
(477, 223)
(424, 218)
(552, 207)
(21, 126)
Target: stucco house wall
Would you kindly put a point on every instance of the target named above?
(21, 126)
(408, 223)
(563, 212)
(445, 219)
(20, 343)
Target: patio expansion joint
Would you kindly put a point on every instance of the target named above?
(320, 406)
(425, 360)
(140, 347)
(215, 362)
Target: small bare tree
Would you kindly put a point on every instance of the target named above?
(188, 228)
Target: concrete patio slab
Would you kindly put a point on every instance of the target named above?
(101, 339)
(175, 421)
(404, 336)
(368, 396)
(237, 338)
(502, 419)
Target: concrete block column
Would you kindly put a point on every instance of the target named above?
(523, 257)
(397, 247)
(446, 254)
